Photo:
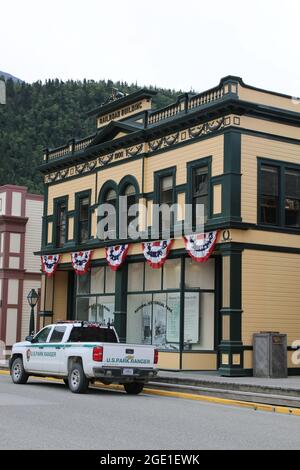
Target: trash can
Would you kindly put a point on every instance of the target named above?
(270, 355)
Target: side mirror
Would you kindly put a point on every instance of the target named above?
(29, 338)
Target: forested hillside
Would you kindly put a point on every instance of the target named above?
(48, 114)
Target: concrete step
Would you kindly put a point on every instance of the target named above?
(229, 386)
(249, 396)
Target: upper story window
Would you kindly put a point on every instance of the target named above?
(61, 225)
(83, 218)
(111, 198)
(279, 198)
(292, 198)
(131, 201)
(200, 190)
(166, 190)
(269, 197)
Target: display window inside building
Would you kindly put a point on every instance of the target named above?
(95, 299)
(154, 305)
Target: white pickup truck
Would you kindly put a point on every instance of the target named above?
(83, 352)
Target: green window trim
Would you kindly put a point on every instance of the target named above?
(281, 166)
(78, 197)
(57, 202)
(191, 168)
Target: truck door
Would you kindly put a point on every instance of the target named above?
(55, 350)
(34, 357)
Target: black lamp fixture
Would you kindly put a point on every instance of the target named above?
(32, 298)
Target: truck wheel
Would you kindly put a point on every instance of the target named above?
(133, 388)
(78, 383)
(17, 372)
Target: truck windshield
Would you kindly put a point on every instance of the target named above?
(81, 334)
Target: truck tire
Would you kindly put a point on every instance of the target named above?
(78, 383)
(133, 388)
(17, 372)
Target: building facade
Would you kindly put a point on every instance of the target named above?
(235, 149)
(20, 235)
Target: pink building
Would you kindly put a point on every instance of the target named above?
(20, 235)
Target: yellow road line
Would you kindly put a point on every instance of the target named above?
(192, 396)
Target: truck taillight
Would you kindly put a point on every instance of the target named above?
(155, 356)
(98, 354)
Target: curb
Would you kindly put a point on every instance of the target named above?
(190, 396)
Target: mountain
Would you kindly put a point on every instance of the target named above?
(8, 76)
(39, 115)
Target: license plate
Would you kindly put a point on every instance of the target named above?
(127, 371)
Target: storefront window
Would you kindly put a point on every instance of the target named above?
(83, 284)
(200, 275)
(152, 278)
(172, 268)
(93, 301)
(97, 280)
(198, 321)
(154, 319)
(135, 277)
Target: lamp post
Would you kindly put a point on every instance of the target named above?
(32, 298)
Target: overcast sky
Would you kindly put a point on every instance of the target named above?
(180, 44)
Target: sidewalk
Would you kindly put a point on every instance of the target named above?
(284, 392)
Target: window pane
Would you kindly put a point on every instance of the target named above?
(166, 183)
(84, 208)
(86, 308)
(110, 280)
(292, 212)
(152, 278)
(201, 275)
(97, 280)
(171, 276)
(129, 190)
(200, 181)
(139, 323)
(135, 277)
(104, 310)
(110, 196)
(42, 336)
(57, 334)
(269, 210)
(173, 321)
(166, 190)
(159, 320)
(198, 321)
(83, 284)
(269, 180)
(292, 184)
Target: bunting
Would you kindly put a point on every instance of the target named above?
(116, 255)
(49, 264)
(156, 253)
(200, 246)
(81, 261)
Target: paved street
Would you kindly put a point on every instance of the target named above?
(45, 415)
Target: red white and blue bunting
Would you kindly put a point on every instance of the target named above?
(49, 264)
(200, 246)
(115, 255)
(156, 253)
(81, 261)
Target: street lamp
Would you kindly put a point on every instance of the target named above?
(32, 298)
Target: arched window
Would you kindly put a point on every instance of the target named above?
(111, 198)
(131, 196)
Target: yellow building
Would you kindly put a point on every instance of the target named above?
(234, 148)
